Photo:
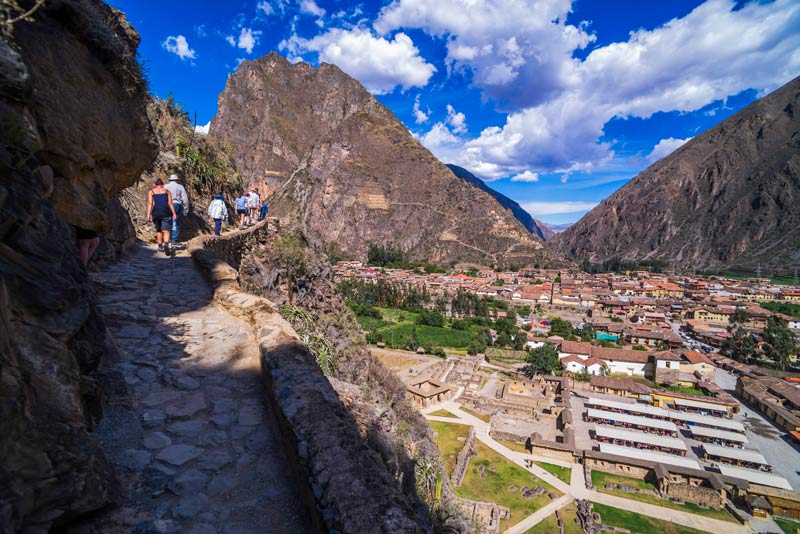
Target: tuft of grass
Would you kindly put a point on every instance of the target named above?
(788, 526)
(562, 473)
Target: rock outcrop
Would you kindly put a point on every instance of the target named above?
(341, 166)
(728, 199)
(74, 132)
(525, 218)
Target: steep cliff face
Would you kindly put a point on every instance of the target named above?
(525, 219)
(71, 137)
(727, 199)
(341, 166)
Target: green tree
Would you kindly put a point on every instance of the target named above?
(476, 346)
(430, 318)
(503, 339)
(560, 327)
(740, 316)
(523, 311)
(639, 347)
(741, 345)
(542, 360)
(780, 344)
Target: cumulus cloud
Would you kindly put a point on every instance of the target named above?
(265, 7)
(248, 38)
(380, 64)
(558, 105)
(456, 120)
(420, 116)
(526, 176)
(178, 45)
(665, 147)
(310, 7)
(202, 129)
(554, 208)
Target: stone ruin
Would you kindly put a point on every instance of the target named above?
(462, 460)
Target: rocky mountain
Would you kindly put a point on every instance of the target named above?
(74, 133)
(336, 162)
(531, 224)
(727, 199)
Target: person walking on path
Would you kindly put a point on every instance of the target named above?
(254, 205)
(264, 210)
(161, 211)
(180, 201)
(218, 212)
(88, 241)
(241, 208)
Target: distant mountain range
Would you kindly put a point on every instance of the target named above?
(535, 227)
(729, 199)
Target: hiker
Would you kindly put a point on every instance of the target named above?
(254, 204)
(88, 241)
(161, 211)
(180, 201)
(241, 208)
(264, 210)
(218, 212)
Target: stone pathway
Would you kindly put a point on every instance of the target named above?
(188, 428)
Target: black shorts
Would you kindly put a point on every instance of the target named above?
(162, 221)
(83, 233)
(241, 210)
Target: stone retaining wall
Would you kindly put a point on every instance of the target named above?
(348, 486)
(462, 460)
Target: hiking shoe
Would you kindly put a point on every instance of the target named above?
(160, 246)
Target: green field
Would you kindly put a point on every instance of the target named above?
(483, 417)
(447, 441)
(443, 413)
(787, 308)
(562, 473)
(514, 446)
(600, 479)
(637, 523)
(789, 526)
(569, 516)
(397, 327)
(495, 486)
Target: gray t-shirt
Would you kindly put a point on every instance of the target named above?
(179, 195)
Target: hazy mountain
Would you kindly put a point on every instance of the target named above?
(727, 199)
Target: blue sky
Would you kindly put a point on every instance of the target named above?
(556, 103)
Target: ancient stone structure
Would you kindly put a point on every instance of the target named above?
(462, 459)
(426, 392)
(74, 132)
(350, 485)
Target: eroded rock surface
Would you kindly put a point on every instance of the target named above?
(341, 165)
(73, 133)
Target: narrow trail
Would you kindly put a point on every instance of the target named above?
(194, 442)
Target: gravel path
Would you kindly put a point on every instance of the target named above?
(195, 444)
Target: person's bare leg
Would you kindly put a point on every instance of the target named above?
(166, 237)
(158, 237)
(83, 251)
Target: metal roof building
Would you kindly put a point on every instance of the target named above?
(633, 420)
(755, 476)
(713, 433)
(633, 408)
(611, 432)
(707, 420)
(739, 455)
(649, 456)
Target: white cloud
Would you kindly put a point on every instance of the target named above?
(231, 40)
(456, 120)
(420, 116)
(203, 129)
(522, 58)
(665, 147)
(179, 46)
(265, 7)
(201, 30)
(526, 176)
(248, 38)
(553, 208)
(380, 64)
(310, 7)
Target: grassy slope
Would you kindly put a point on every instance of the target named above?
(447, 441)
(494, 487)
(639, 524)
(550, 524)
(563, 473)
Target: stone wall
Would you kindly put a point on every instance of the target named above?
(347, 481)
(700, 495)
(73, 132)
(462, 459)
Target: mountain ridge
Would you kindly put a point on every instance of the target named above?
(729, 199)
(344, 169)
